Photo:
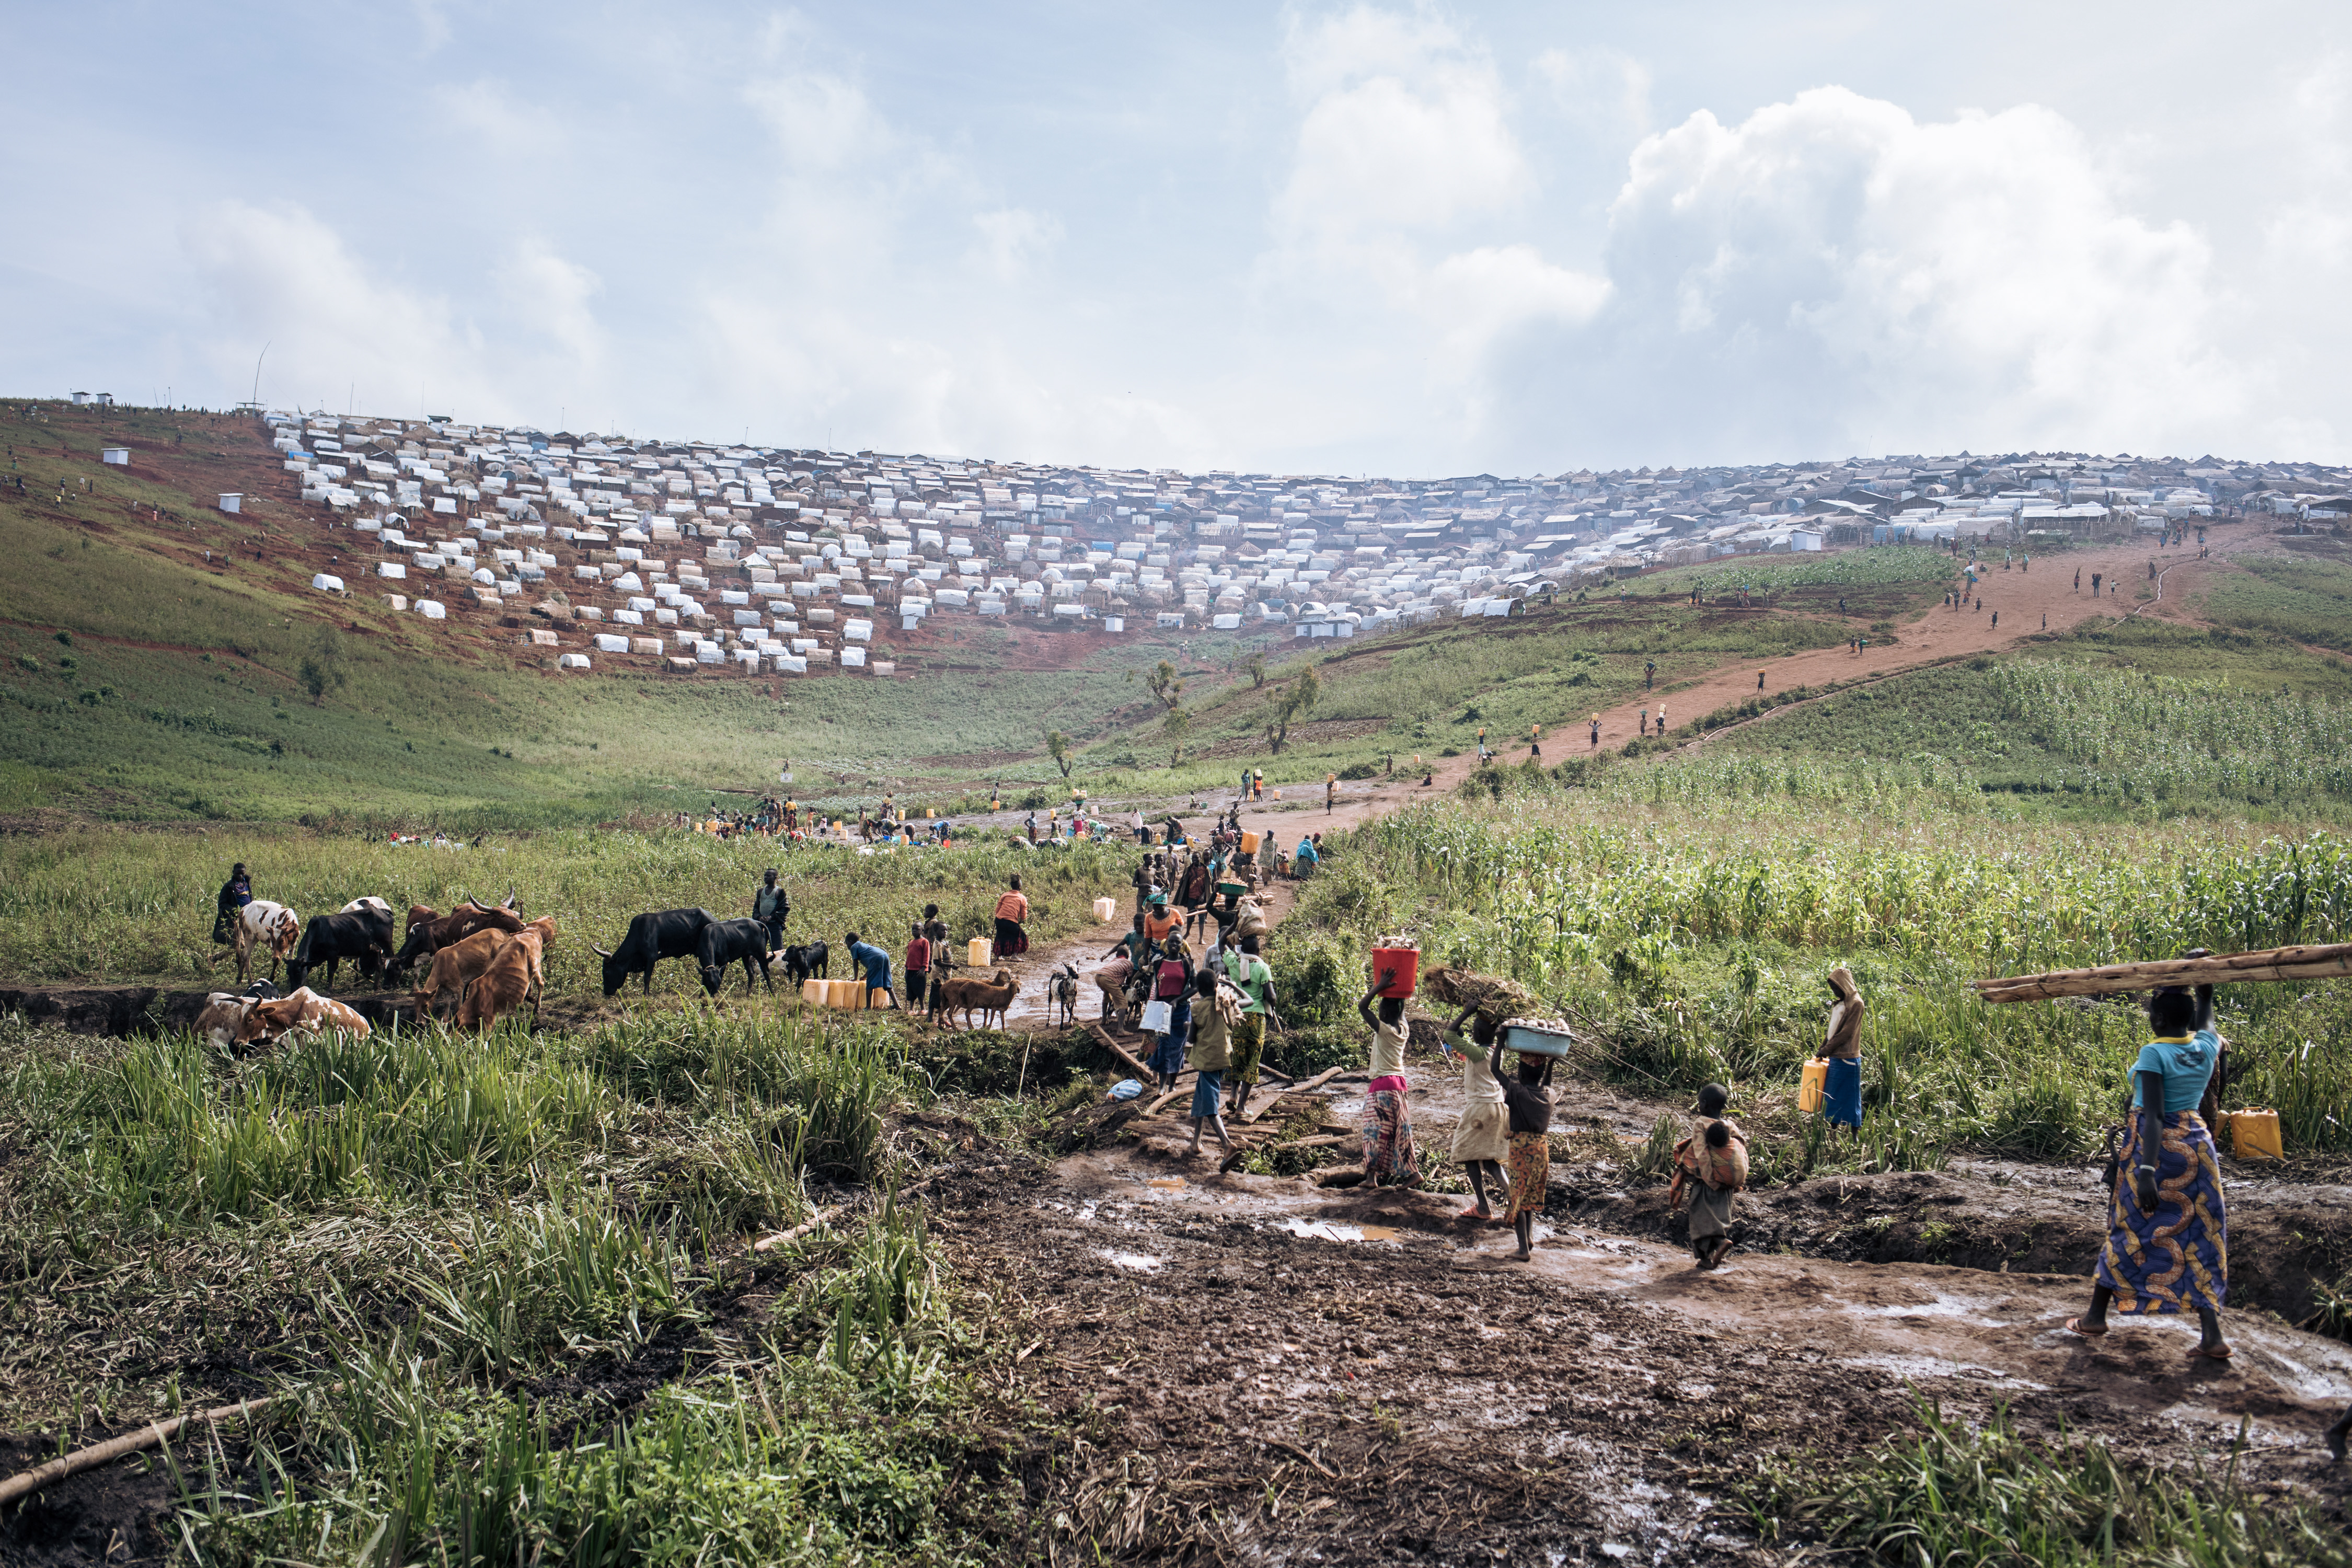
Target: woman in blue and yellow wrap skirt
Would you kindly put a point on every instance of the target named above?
(2167, 1232)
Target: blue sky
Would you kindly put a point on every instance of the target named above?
(1385, 237)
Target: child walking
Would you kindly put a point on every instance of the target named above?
(1711, 1164)
(1529, 1098)
(1214, 1013)
(1482, 1138)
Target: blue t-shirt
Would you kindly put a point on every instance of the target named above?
(877, 965)
(2186, 1064)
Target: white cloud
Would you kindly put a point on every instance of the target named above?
(494, 121)
(1606, 91)
(1010, 239)
(550, 297)
(278, 273)
(1404, 129)
(1833, 276)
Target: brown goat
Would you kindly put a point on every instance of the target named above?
(992, 996)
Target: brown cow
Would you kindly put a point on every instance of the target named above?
(991, 996)
(228, 1020)
(305, 1012)
(502, 987)
(428, 933)
(457, 966)
(533, 939)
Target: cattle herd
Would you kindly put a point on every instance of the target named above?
(472, 966)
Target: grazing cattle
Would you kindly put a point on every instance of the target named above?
(502, 987)
(1062, 992)
(991, 996)
(264, 924)
(363, 935)
(229, 1021)
(652, 937)
(723, 942)
(305, 1012)
(428, 932)
(456, 967)
(535, 937)
(806, 961)
(369, 905)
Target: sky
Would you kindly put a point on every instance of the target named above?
(1388, 238)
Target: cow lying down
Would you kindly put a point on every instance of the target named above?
(231, 1022)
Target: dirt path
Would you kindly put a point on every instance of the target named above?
(2024, 599)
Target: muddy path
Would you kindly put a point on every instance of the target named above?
(1260, 1367)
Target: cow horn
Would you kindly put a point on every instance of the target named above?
(598, 950)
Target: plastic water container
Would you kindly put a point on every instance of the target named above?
(1249, 843)
(1810, 1085)
(2254, 1135)
(812, 992)
(976, 951)
(1105, 909)
(1398, 969)
(1536, 1041)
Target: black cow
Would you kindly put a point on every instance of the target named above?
(724, 941)
(672, 933)
(363, 935)
(803, 961)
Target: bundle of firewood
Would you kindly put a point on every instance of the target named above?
(2329, 963)
(1494, 998)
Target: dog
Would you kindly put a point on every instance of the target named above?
(1062, 992)
(806, 960)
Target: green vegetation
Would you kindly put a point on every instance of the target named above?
(1693, 952)
(100, 906)
(2120, 721)
(1880, 566)
(454, 1258)
(1994, 1498)
(2307, 597)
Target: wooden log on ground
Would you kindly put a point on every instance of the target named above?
(1317, 1081)
(153, 1434)
(2332, 961)
(826, 1216)
(1113, 1047)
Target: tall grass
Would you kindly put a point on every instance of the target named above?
(1693, 956)
(97, 906)
(1992, 1497)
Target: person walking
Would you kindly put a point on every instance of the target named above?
(1252, 976)
(229, 905)
(1712, 1171)
(1482, 1138)
(1535, 742)
(2168, 1243)
(1649, 670)
(1759, 680)
(1528, 1098)
(1330, 792)
(1212, 1022)
(1388, 1117)
(1596, 732)
(1172, 986)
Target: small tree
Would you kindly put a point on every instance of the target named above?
(1166, 686)
(323, 670)
(1256, 667)
(1057, 746)
(1176, 726)
(1297, 700)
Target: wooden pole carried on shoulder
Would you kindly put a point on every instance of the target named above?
(2333, 961)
